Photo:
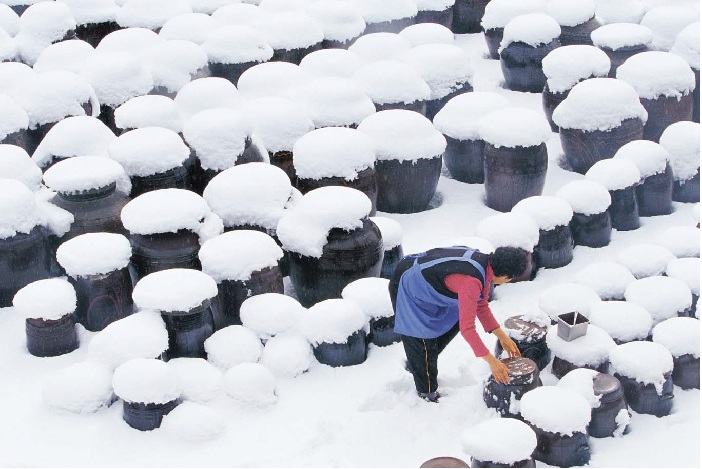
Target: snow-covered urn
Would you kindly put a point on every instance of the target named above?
(500, 12)
(515, 230)
(173, 64)
(373, 296)
(337, 330)
(41, 25)
(552, 215)
(529, 333)
(184, 298)
(666, 22)
(81, 388)
(244, 263)
(439, 12)
(231, 50)
(94, 20)
(588, 351)
(687, 46)
(194, 422)
(336, 156)
(64, 55)
(621, 11)
(621, 41)
(8, 50)
(505, 397)
(166, 228)
(445, 68)
(409, 156)
(16, 164)
(567, 297)
(392, 84)
(281, 79)
(504, 441)
(287, 355)
(622, 320)
(291, 34)
(458, 121)
(560, 417)
(688, 270)
(232, 346)
(427, 33)
(591, 224)
(526, 40)
(391, 232)
(251, 384)
(334, 102)
(645, 259)
(645, 371)
(662, 297)
(149, 111)
(565, 67)
(341, 22)
(96, 264)
(48, 307)
(610, 414)
(576, 19)
(380, 46)
(271, 314)
(664, 82)
(207, 93)
(597, 118)
(682, 140)
(14, 124)
(200, 381)
(391, 16)
(681, 336)
(620, 177)
(150, 14)
(516, 159)
(193, 27)
(329, 224)
(149, 390)
(467, 15)
(331, 62)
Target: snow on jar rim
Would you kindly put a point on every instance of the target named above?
(304, 228)
(85, 173)
(514, 127)
(49, 299)
(500, 12)
(391, 81)
(149, 150)
(94, 254)
(235, 195)
(533, 29)
(278, 122)
(686, 269)
(272, 79)
(237, 254)
(64, 55)
(207, 93)
(193, 27)
(339, 20)
(218, 136)
(331, 63)
(461, 115)
(379, 46)
(571, 12)
(592, 349)
(403, 135)
(15, 163)
(149, 111)
(622, 320)
(270, 313)
(74, 136)
(682, 140)
(646, 362)
(238, 13)
(332, 321)
(649, 157)
(8, 50)
(567, 297)
(654, 74)
(614, 174)
(334, 102)
(599, 104)
(174, 290)
(556, 409)
(273, 6)
(116, 77)
(209, 6)
(13, 119)
(485, 441)
(290, 30)
(680, 336)
(620, 11)
(333, 152)
(172, 64)
(687, 45)
(9, 20)
(582, 380)
(509, 229)
(586, 197)
(608, 279)
(151, 14)
(617, 36)
(18, 206)
(427, 33)
(371, 294)
(445, 67)
(662, 297)
(237, 45)
(146, 381)
(547, 211)
(46, 21)
(388, 10)
(666, 22)
(92, 11)
(390, 230)
(682, 241)
(566, 66)
(132, 40)
(434, 5)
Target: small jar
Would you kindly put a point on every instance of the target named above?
(516, 160)
(96, 264)
(342, 23)
(149, 14)
(654, 194)
(231, 50)
(441, 12)
(467, 15)
(459, 121)
(334, 102)
(244, 263)
(337, 330)
(500, 12)
(48, 307)
(183, 297)
(529, 333)
(624, 321)
(576, 19)
(662, 297)
(392, 84)
(291, 34)
(523, 377)
(327, 252)
(149, 390)
(621, 41)
(645, 371)
(591, 224)
(566, 297)
(512, 230)
(552, 215)
(607, 279)
(336, 157)
(477, 441)
(687, 46)
(620, 177)
(682, 140)
(391, 232)
(588, 351)
(409, 157)
(373, 297)
(681, 336)
(667, 97)
(391, 16)
(14, 126)
(16, 164)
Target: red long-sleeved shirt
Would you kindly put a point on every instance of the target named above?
(468, 290)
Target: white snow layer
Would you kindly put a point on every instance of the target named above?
(620, 11)
(556, 409)
(331, 63)
(547, 211)
(146, 381)
(15, 163)
(40, 25)
(666, 22)
(687, 45)
(8, 50)
(199, 380)
(130, 40)
(649, 157)
(591, 349)
(232, 346)
(64, 55)
(514, 127)
(270, 314)
(149, 150)
(173, 64)
(499, 12)
(74, 136)
(237, 45)
(533, 29)
(193, 27)
(608, 279)
(236, 255)
(14, 117)
(218, 137)
(617, 36)
(434, 5)
(116, 77)
(82, 388)
(646, 362)
(290, 30)
(84, 173)
(372, 295)
(391, 81)
(151, 14)
(614, 174)
(681, 336)
(567, 297)
(251, 384)
(387, 10)
(94, 254)
(586, 197)
(380, 46)
(339, 20)
(272, 79)
(333, 152)
(566, 66)
(427, 33)
(9, 20)
(654, 74)
(645, 259)
(390, 230)
(622, 320)
(682, 140)
(92, 11)
(239, 14)
(279, 122)
(571, 12)
(48, 299)
(334, 101)
(287, 355)
(499, 440)
(149, 111)
(687, 270)
(460, 117)
(509, 229)
(193, 422)
(663, 297)
(207, 93)
(581, 380)
(174, 290)
(332, 321)
(445, 67)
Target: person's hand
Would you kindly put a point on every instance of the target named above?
(510, 347)
(498, 369)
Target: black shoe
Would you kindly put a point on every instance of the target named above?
(430, 396)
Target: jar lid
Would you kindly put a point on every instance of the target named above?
(500, 12)
(116, 76)
(682, 140)
(272, 79)
(174, 291)
(673, 77)
(341, 21)
(445, 67)
(487, 441)
(680, 336)
(391, 231)
(332, 321)
(15, 163)
(607, 387)
(146, 381)
(687, 45)
(331, 62)
(236, 255)
(392, 81)
(617, 36)
(193, 27)
(372, 295)
(521, 370)
(608, 279)
(687, 270)
(649, 157)
(614, 174)
(566, 66)
(663, 297)
(207, 93)
(556, 409)
(586, 197)
(85, 173)
(149, 111)
(333, 152)
(379, 46)
(151, 14)
(571, 12)
(48, 299)
(218, 136)
(666, 21)
(237, 45)
(525, 331)
(334, 102)
(646, 362)
(429, 33)
(460, 116)
(387, 10)
(94, 254)
(509, 230)
(533, 29)
(623, 320)
(270, 313)
(290, 30)
(149, 150)
(94, 11)
(548, 212)
(18, 206)
(514, 127)
(14, 118)
(566, 297)
(279, 122)
(65, 55)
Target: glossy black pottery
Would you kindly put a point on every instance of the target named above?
(24, 258)
(561, 450)
(435, 105)
(578, 34)
(161, 251)
(284, 161)
(366, 181)
(655, 194)
(696, 97)
(644, 398)
(176, 178)
(382, 332)
(603, 422)
(467, 15)
(624, 209)
(416, 106)
(19, 138)
(391, 257)
(465, 160)
(349, 353)
(549, 101)
(663, 111)
(532, 344)
(555, 248)
(188, 330)
(686, 371)
(103, 299)
(513, 174)
(392, 26)
(523, 375)
(231, 72)
(93, 33)
(561, 367)
(51, 338)
(688, 190)
(294, 56)
(619, 56)
(594, 230)
(407, 186)
(146, 417)
(521, 66)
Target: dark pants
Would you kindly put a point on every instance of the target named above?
(422, 357)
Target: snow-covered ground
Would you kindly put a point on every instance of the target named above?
(362, 416)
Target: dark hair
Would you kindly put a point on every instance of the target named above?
(508, 262)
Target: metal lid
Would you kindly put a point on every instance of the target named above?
(607, 387)
(526, 331)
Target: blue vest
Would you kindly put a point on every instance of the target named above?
(420, 310)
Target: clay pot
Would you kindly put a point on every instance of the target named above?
(391, 257)
(686, 371)
(407, 186)
(93, 33)
(24, 258)
(188, 330)
(561, 450)
(550, 100)
(493, 38)
(524, 376)
(644, 399)
(624, 209)
(365, 181)
(688, 190)
(467, 15)
(51, 338)
(612, 401)
(382, 332)
(435, 105)
(663, 111)
(393, 26)
(465, 160)
(533, 346)
(655, 194)
(619, 56)
(513, 174)
(352, 352)
(202, 177)
(146, 417)
(103, 299)
(37, 134)
(161, 251)
(176, 178)
(578, 34)
(555, 248)
(521, 65)
(561, 367)
(594, 231)
(444, 17)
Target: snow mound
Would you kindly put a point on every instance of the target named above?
(371, 295)
(654, 74)
(278, 122)
(74, 136)
(81, 388)
(194, 422)
(239, 13)
(251, 384)
(682, 140)
(233, 345)
(237, 45)
(682, 241)
(581, 380)
(445, 67)
(533, 29)
(198, 379)
(663, 297)
(174, 290)
(207, 93)
(571, 12)
(270, 314)
(48, 299)
(681, 336)
(617, 36)
(333, 152)
(193, 27)
(614, 174)
(146, 381)
(548, 212)
(149, 151)
(645, 259)
(92, 11)
(151, 14)
(84, 173)
(218, 137)
(131, 40)
(622, 320)
(116, 77)
(666, 22)
(687, 45)
(391, 81)
(646, 362)
(334, 101)
(238, 254)
(339, 20)
(8, 51)
(514, 127)
(15, 163)
(387, 10)
(333, 321)
(585, 197)
(486, 441)
(687, 270)
(174, 63)
(14, 118)
(287, 355)
(94, 254)
(390, 230)
(556, 409)
(567, 297)
(379, 46)
(290, 30)
(620, 11)
(331, 62)
(9, 20)
(608, 279)
(509, 229)
(64, 55)
(649, 157)
(499, 12)
(149, 111)
(566, 66)
(591, 350)
(41, 25)
(275, 78)
(460, 116)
